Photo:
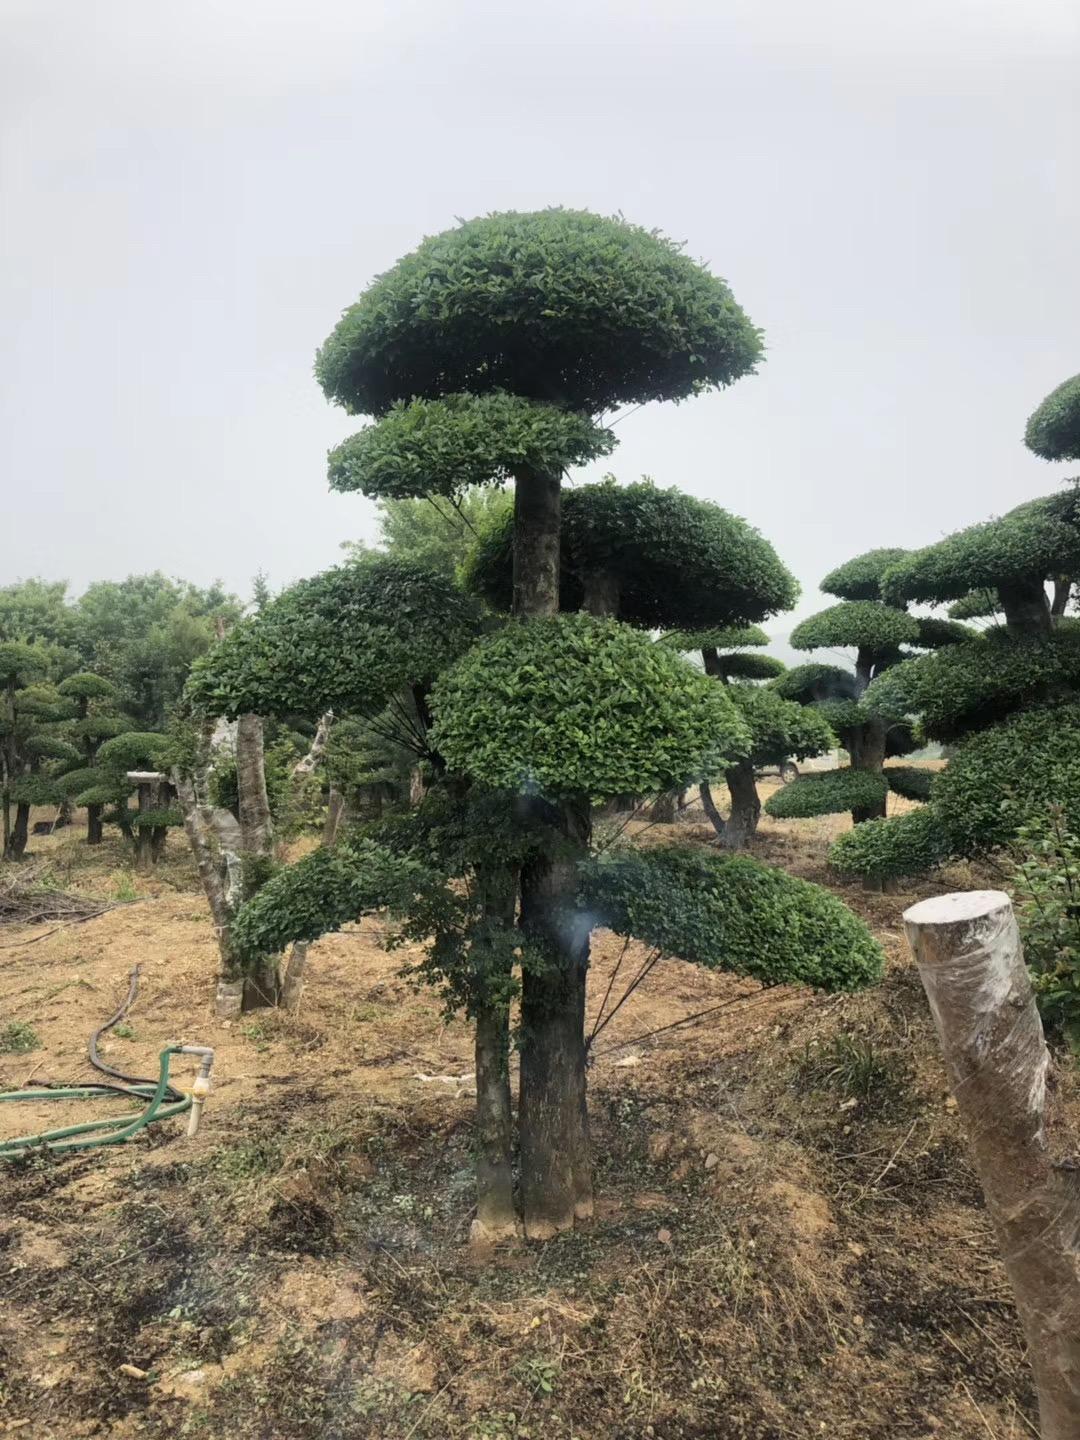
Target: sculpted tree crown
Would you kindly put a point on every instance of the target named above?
(346, 640)
(860, 578)
(673, 562)
(863, 624)
(564, 306)
(1037, 540)
(1053, 430)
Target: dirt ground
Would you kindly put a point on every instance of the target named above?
(790, 1241)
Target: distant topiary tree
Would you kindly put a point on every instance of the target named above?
(1004, 698)
(880, 633)
(1053, 430)
(95, 720)
(29, 712)
(490, 355)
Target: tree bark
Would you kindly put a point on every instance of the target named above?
(306, 765)
(1062, 595)
(256, 826)
(94, 827)
(745, 805)
(335, 809)
(709, 806)
(144, 856)
(495, 1215)
(662, 810)
(1027, 611)
(20, 832)
(556, 1178)
(968, 951)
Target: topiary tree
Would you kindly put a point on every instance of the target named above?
(999, 696)
(95, 720)
(29, 711)
(1053, 430)
(878, 633)
(489, 356)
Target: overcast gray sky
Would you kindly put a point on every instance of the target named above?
(191, 193)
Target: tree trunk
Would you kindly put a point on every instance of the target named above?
(601, 593)
(709, 806)
(1027, 612)
(495, 1215)
(335, 809)
(967, 948)
(144, 855)
(1062, 595)
(745, 806)
(256, 826)
(556, 1178)
(15, 848)
(662, 810)
(316, 749)
(94, 827)
(867, 742)
(711, 660)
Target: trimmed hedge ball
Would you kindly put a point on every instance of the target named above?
(862, 624)
(914, 782)
(815, 682)
(572, 704)
(781, 729)
(829, 793)
(860, 579)
(723, 637)
(750, 667)
(907, 844)
(997, 780)
(559, 305)
(734, 914)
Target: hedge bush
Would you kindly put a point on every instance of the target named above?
(731, 913)
(862, 624)
(914, 782)
(899, 845)
(1053, 430)
(829, 793)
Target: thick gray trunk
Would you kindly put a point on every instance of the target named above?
(968, 951)
(1027, 611)
(256, 826)
(495, 1215)
(745, 806)
(94, 829)
(601, 593)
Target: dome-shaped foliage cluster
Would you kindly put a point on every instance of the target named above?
(441, 447)
(997, 780)
(935, 634)
(677, 562)
(781, 729)
(1036, 540)
(914, 782)
(135, 750)
(1053, 430)
(742, 666)
(886, 849)
(732, 913)
(578, 705)
(558, 305)
(346, 640)
(722, 637)
(860, 578)
(814, 683)
(828, 793)
(860, 624)
(86, 686)
(322, 892)
(20, 663)
(967, 687)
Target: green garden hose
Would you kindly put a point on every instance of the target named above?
(163, 1099)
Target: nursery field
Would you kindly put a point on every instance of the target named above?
(789, 1239)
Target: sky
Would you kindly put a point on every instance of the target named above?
(191, 194)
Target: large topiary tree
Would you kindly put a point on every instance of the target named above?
(490, 356)
(96, 719)
(1003, 698)
(30, 709)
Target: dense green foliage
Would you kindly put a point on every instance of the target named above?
(935, 634)
(742, 666)
(1046, 883)
(1036, 540)
(885, 849)
(967, 687)
(442, 447)
(914, 782)
(346, 640)
(732, 913)
(322, 892)
(722, 637)
(860, 578)
(1053, 430)
(827, 793)
(780, 729)
(678, 562)
(997, 780)
(976, 605)
(579, 705)
(861, 624)
(558, 305)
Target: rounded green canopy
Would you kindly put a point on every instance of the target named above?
(861, 624)
(1053, 430)
(860, 578)
(1037, 540)
(346, 640)
(673, 562)
(563, 306)
(573, 704)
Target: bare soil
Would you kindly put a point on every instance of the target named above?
(790, 1241)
